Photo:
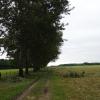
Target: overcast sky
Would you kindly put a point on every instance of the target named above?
(83, 33)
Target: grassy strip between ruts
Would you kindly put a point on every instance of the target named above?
(49, 87)
(41, 88)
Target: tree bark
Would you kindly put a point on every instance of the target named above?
(26, 71)
(21, 73)
(35, 69)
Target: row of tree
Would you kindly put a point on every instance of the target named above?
(7, 64)
(31, 31)
(80, 64)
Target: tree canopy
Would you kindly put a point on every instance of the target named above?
(32, 30)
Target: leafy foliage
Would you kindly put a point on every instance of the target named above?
(33, 30)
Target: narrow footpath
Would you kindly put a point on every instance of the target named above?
(27, 91)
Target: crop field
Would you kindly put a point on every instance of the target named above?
(57, 83)
(8, 73)
(79, 88)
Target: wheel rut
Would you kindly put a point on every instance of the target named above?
(27, 91)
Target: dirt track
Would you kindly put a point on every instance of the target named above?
(27, 91)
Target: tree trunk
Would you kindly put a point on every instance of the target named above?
(20, 62)
(35, 69)
(26, 71)
(21, 74)
(27, 62)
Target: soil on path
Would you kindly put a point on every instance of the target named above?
(27, 91)
(46, 92)
(44, 96)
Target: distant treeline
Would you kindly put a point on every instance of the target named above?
(79, 64)
(7, 64)
(8, 67)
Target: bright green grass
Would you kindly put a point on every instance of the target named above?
(8, 70)
(10, 89)
(57, 89)
(8, 73)
(13, 86)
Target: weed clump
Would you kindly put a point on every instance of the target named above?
(74, 74)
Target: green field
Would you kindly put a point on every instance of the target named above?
(53, 84)
(11, 85)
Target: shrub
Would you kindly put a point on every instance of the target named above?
(73, 74)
